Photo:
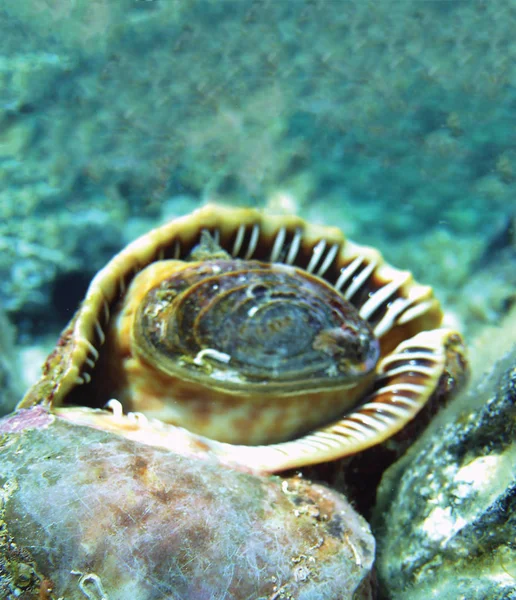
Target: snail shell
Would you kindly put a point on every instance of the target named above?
(272, 342)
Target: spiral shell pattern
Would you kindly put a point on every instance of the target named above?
(252, 326)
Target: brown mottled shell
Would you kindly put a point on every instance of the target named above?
(283, 345)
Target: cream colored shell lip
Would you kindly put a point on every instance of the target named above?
(417, 354)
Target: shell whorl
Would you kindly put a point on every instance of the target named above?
(394, 305)
(380, 311)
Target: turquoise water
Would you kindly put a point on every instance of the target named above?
(393, 120)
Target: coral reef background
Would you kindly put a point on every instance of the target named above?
(393, 120)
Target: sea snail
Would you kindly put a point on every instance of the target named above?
(266, 341)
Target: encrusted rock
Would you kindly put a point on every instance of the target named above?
(446, 513)
(10, 390)
(89, 514)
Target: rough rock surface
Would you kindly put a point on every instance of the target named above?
(10, 376)
(446, 513)
(88, 514)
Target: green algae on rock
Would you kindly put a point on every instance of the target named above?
(94, 515)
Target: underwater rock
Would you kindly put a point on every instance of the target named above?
(88, 514)
(42, 280)
(445, 519)
(10, 390)
(358, 476)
